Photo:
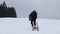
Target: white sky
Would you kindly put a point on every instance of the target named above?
(44, 8)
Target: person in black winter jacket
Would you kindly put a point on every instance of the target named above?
(33, 17)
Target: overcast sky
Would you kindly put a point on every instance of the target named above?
(44, 8)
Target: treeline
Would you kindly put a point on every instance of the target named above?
(7, 11)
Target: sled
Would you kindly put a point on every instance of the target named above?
(35, 28)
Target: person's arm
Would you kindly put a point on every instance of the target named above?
(29, 17)
(36, 15)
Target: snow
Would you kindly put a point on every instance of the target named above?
(23, 26)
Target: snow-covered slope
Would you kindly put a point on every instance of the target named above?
(23, 26)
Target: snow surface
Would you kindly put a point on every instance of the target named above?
(23, 26)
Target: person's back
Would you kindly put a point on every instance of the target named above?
(33, 15)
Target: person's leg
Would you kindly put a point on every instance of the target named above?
(34, 22)
(31, 23)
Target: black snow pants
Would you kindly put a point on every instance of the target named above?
(33, 23)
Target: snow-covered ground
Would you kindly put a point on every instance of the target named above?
(23, 26)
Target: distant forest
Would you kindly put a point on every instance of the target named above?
(7, 11)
